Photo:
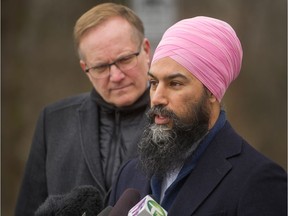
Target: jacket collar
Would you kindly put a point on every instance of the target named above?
(88, 115)
(188, 166)
(209, 172)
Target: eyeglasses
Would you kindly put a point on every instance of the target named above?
(124, 63)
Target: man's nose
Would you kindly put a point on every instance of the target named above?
(116, 74)
(158, 96)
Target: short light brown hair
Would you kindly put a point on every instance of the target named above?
(103, 12)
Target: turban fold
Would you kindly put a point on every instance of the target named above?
(207, 47)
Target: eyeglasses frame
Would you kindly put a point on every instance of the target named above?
(136, 54)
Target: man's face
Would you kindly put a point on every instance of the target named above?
(109, 42)
(179, 117)
(175, 88)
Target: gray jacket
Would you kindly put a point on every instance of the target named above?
(65, 151)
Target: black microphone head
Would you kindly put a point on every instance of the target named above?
(127, 200)
(82, 199)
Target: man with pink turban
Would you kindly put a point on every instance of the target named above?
(190, 158)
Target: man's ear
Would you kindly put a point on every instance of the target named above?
(83, 65)
(147, 49)
(211, 96)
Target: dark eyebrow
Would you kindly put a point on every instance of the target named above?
(171, 76)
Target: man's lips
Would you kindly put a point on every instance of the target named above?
(119, 88)
(161, 120)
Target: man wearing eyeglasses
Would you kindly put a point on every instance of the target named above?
(82, 140)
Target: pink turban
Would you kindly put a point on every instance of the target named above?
(209, 48)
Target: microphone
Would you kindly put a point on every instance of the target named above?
(106, 211)
(147, 207)
(82, 200)
(127, 200)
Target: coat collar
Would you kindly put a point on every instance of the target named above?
(209, 172)
(88, 115)
(188, 166)
(89, 136)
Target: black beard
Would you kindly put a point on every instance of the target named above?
(163, 149)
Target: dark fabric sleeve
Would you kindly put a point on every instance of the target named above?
(112, 199)
(33, 190)
(265, 192)
(129, 176)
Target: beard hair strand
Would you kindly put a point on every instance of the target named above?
(163, 149)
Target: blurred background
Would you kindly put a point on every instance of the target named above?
(40, 66)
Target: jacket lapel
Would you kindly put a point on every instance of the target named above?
(209, 172)
(89, 136)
